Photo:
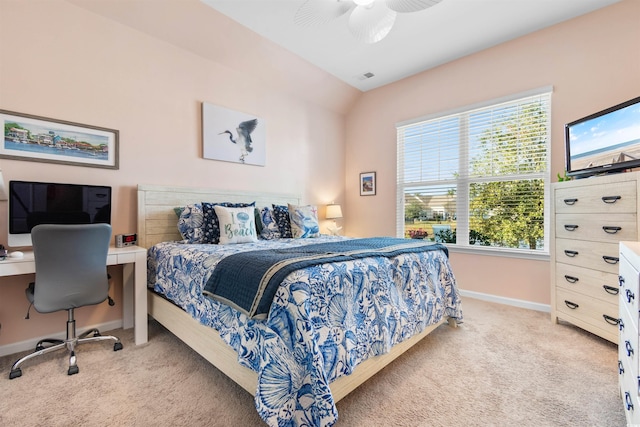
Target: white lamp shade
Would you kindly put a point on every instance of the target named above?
(333, 211)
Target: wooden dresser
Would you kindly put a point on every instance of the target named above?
(628, 367)
(589, 217)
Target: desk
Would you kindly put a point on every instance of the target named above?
(134, 283)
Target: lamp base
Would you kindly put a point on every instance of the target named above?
(335, 231)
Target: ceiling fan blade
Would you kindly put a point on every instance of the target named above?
(406, 6)
(317, 12)
(372, 23)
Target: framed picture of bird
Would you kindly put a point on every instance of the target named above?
(232, 136)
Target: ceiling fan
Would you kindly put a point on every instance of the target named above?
(369, 20)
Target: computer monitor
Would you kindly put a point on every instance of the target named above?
(33, 203)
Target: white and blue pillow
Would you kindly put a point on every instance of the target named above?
(211, 226)
(190, 223)
(304, 221)
(237, 225)
(270, 230)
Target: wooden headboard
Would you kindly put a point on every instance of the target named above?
(157, 221)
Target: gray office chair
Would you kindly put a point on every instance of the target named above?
(71, 271)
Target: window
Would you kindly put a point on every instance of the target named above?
(477, 177)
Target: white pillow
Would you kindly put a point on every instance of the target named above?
(304, 221)
(237, 225)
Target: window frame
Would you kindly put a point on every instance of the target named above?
(462, 200)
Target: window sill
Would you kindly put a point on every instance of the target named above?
(499, 252)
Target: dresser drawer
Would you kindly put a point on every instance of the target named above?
(594, 283)
(628, 368)
(601, 228)
(619, 197)
(594, 255)
(595, 312)
(629, 394)
(628, 345)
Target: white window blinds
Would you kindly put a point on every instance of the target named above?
(477, 177)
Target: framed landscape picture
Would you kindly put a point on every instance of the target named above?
(368, 184)
(40, 139)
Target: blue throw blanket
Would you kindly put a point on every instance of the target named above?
(248, 281)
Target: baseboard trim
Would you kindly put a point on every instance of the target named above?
(29, 344)
(507, 301)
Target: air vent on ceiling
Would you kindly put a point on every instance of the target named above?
(365, 76)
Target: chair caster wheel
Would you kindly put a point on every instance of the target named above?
(15, 373)
(117, 346)
(73, 370)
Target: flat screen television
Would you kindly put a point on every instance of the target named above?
(604, 142)
(33, 203)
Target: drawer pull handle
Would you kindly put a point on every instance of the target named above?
(620, 367)
(627, 345)
(630, 296)
(611, 199)
(571, 305)
(571, 227)
(620, 324)
(609, 229)
(611, 289)
(610, 320)
(570, 279)
(627, 399)
(610, 259)
(570, 253)
(570, 201)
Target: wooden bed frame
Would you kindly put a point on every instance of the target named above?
(157, 223)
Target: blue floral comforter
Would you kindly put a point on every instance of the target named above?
(323, 322)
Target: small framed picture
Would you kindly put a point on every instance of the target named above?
(368, 184)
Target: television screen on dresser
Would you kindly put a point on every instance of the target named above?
(33, 203)
(604, 142)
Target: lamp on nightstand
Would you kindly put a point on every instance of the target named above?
(334, 212)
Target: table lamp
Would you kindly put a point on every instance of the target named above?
(333, 212)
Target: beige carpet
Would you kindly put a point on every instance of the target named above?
(504, 366)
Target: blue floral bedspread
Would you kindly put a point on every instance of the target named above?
(323, 322)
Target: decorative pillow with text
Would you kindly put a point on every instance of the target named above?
(237, 225)
(211, 226)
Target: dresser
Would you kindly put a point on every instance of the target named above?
(589, 217)
(628, 357)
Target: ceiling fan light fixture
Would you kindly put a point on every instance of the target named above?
(369, 20)
(371, 24)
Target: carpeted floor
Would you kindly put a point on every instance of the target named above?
(504, 366)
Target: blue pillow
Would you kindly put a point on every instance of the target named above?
(270, 228)
(211, 225)
(190, 223)
(281, 215)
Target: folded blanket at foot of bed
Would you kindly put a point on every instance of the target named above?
(248, 281)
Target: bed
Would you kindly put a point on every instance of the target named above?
(299, 361)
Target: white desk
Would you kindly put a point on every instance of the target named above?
(134, 283)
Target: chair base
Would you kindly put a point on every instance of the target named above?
(70, 343)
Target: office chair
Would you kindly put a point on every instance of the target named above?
(71, 272)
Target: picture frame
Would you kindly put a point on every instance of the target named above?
(233, 136)
(42, 139)
(368, 184)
